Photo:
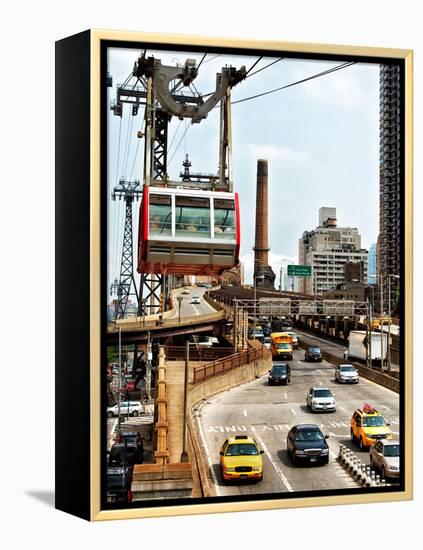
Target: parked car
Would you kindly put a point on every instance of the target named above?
(313, 353)
(385, 457)
(321, 399)
(280, 373)
(346, 373)
(195, 299)
(133, 439)
(118, 482)
(307, 443)
(267, 342)
(368, 426)
(125, 453)
(240, 458)
(133, 408)
(185, 290)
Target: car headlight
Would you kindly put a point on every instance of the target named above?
(369, 436)
(229, 469)
(256, 468)
(298, 452)
(325, 451)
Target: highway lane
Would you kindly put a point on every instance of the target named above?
(268, 412)
(187, 308)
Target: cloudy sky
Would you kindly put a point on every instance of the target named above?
(321, 139)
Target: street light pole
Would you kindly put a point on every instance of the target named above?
(389, 320)
(184, 454)
(381, 323)
(120, 377)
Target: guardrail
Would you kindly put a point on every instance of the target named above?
(177, 353)
(222, 366)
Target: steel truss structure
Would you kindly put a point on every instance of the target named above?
(158, 87)
(128, 191)
(277, 307)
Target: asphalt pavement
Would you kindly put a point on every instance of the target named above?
(268, 412)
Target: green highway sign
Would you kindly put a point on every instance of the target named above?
(299, 271)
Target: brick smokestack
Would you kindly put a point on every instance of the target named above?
(262, 268)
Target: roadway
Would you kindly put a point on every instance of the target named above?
(268, 412)
(187, 308)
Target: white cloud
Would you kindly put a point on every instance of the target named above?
(278, 152)
(276, 261)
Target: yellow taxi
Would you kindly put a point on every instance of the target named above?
(240, 458)
(368, 426)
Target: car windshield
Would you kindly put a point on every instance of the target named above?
(279, 370)
(283, 346)
(391, 450)
(373, 421)
(349, 368)
(322, 393)
(241, 449)
(314, 350)
(309, 435)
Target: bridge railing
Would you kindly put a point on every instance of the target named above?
(177, 353)
(226, 364)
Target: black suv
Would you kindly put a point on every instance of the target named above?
(280, 373)
(125, 453)
(119, 485)
(313, 353)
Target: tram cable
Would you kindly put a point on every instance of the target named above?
(323, 73)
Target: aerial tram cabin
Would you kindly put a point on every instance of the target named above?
(188, 232)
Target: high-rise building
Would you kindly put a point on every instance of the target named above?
(372, 269)
(388, 251)
(327, 249)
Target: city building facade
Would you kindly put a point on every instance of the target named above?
(388, 247)
(327, 249)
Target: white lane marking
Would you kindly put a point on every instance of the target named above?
(285, 395)
(216, 484)
(195, 309)
(245, 413)
(344, 410)
(272, 461)
(386, 408)
(293, 412)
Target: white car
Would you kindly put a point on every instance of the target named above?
(321, 399)
(346, 373)
(133, 408)
(195, 299)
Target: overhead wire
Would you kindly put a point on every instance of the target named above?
(323, 73)
(180, 141)
(253, 65)
(265, 67)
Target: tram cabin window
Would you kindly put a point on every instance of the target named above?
(224, 219)
(192, 217)
(160, 215)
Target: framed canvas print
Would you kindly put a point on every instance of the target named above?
(233, 275)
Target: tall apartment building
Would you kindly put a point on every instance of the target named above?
(327, 249)
(388, 247)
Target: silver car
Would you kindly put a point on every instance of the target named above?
(385, 457)
(347, 374)
(133, 408)
(321, 399)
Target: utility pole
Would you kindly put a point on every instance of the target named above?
(382, 333)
